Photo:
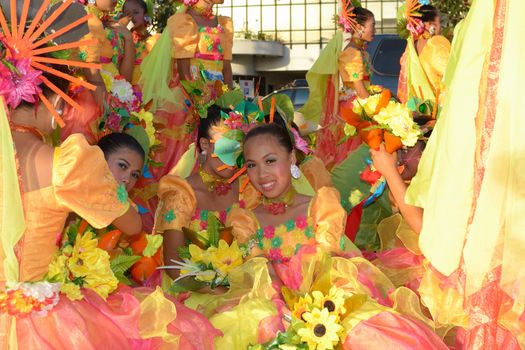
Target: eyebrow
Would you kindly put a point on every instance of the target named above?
(125, 161)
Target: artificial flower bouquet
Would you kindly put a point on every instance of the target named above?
(79, 263)
(316, 322)
(378, 119)
(210, 256)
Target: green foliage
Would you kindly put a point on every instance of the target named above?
(452, 11)
(163, 9)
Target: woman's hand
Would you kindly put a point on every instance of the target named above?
(383, 161)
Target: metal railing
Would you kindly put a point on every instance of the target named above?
(299, 22)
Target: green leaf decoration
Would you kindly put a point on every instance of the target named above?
(285, 105)
(227, 150)
(230, 98)
(123, 279)
(122, 194)
(236, 135)
(184, 253)
(154, 243)
(122, 263)
(186, 285)
(214, 226)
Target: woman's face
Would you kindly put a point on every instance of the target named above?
(436, 24)
(212, 164)
(135, 13)
(369, 30)
(106, 5)
(126, 166)
(268, 165)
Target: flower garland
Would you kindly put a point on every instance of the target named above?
(25, 299)
(277, 206)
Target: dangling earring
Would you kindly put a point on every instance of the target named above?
(295, 171)
(432, 30)
(92, 2)
(53, 123)
(202, 157)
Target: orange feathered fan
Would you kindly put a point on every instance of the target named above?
(25, 43)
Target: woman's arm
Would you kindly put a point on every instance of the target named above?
(386, 164)
(360, 89)
(173, 239)
(130, 223)
(93, 76)
(183, 68)
(227, 73)
(128, 61)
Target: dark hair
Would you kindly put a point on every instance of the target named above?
(213, 118)
(139, 2)
(274, 130)
(111, 143)
(362, 15)
(428, 13)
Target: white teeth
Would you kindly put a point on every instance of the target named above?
(268, 186)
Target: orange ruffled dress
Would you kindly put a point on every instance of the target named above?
(354, 65)
(129, 318)
(244, 312)
(305, 255)
(108, 52)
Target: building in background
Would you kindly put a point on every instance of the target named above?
(277, 41)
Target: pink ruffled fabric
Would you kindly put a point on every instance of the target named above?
(93, 323)
(387, 330)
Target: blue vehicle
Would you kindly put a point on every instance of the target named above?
(385, 52)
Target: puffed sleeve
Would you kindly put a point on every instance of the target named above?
(329, 218)
(85, 185)
(434, 59)
(249, 196)
(315, 172)
(177, 204)
(244, 225)
(91, 53)
(184, 35)
(226, 37)
(351, 67)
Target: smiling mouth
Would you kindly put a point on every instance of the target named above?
(268, 186)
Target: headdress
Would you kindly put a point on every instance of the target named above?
(346, 17)
(32, 33)
(409, 21)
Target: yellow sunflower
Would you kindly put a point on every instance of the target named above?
(321, 331)
(226, 257)
(304, 304)
(71, 290)
(334, 301)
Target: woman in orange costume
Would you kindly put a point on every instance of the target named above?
(469, 184)
(302, 239)
(350, 65)
(71, 178)
(195, 44)
(137, 13)
(424, 61)
(115, 50)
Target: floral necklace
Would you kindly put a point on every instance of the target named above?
(278, 205)
(214, 183)
(358, 43)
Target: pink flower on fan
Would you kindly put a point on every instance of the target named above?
(20, 84)
(114, 122)
(300, 143)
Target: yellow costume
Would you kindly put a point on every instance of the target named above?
(470, 183)
(247, 294)
(204, 46)
(421, 75)
(354, 65)
(304, 255)
(143, 47)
